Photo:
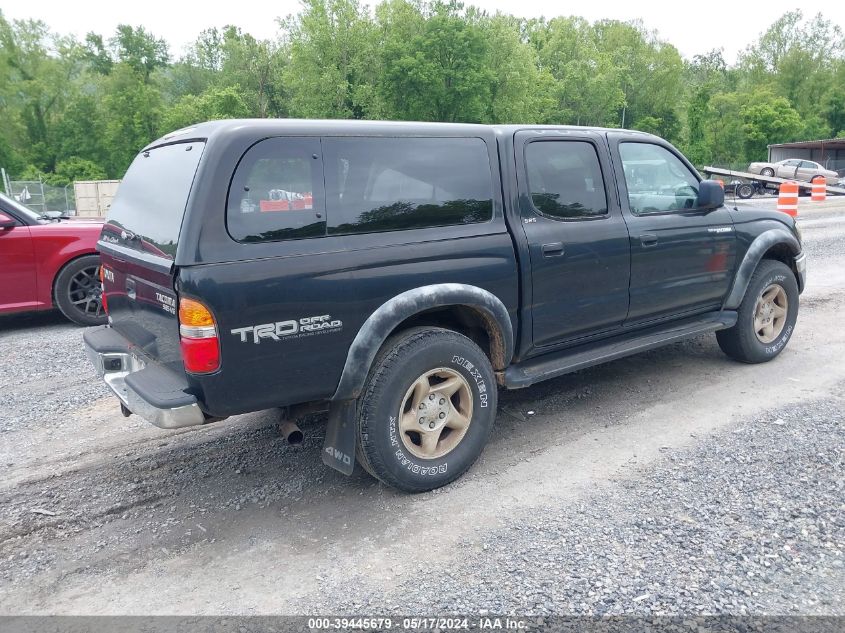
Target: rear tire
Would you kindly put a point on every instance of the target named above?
(766, 316)
(77, 291)
(427, 409)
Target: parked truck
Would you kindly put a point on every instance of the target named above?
(398, 275)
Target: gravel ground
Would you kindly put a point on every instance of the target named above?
(35, 381)
(751, 522)
(675, 481)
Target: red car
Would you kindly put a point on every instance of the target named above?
(47, 263)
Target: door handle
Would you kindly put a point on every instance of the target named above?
(555, 249)
(648, 239)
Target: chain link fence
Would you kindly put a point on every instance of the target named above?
(41, 197)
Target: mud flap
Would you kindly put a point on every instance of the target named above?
(339, 448)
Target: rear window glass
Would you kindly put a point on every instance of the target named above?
(277, 192)
(146, 214)
(389, 184)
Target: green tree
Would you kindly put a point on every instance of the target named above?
(520, 91)
(331, 71)
(132, 111)
(833, 108)
(439, 72)
(768, 119)
(81, 131)
(799, 60)
(38, 68)
(650, 75)
(139, 49)
(724, 133)
(215, 103)
(586, 80)
(74, 168)
(257, 67)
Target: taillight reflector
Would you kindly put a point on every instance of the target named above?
(200, 355)
(198, 337)
(103, 289)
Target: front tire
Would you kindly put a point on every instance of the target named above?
(767, 171)
(766, 316)
(77, 291)
(427, 409)
(744, 191)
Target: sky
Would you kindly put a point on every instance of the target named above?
(692, 30)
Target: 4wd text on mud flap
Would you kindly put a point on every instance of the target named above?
(338, 455)
(282, 329)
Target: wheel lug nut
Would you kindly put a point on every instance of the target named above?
(431, 425)
(442, 415)
(422, 406)
(422, 420)
(431, 397)
(442, 400)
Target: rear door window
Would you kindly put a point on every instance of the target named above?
(391, 184)
(565, 179)
(277, 192)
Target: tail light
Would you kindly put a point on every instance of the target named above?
(198, 337)
(102, 273)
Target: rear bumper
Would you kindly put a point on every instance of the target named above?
(150, 391)
(801, 269)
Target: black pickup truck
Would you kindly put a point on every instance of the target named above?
(398, 274)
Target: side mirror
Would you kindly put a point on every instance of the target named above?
(710, 195)
(6, 221)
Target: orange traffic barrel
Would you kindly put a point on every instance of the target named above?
(788, 198)
(819, 189)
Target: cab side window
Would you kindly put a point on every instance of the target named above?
(565, 179)
(277, 192)
(656, 179)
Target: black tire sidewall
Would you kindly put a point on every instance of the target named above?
(748, 189)
(60, 291)
(769, 273)
(384, 449)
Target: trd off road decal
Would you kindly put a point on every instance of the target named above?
(296, 328)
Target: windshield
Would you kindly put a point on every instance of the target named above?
(19, 208)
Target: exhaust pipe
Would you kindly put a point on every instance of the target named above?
(291, 432)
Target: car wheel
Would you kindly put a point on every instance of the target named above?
(767, 171)
(745, 191)
(766, 316)
(427, 409)
(78, 293)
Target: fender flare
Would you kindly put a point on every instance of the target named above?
(761, 244)
(384, 320)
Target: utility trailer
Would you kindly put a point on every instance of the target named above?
(758, 181)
